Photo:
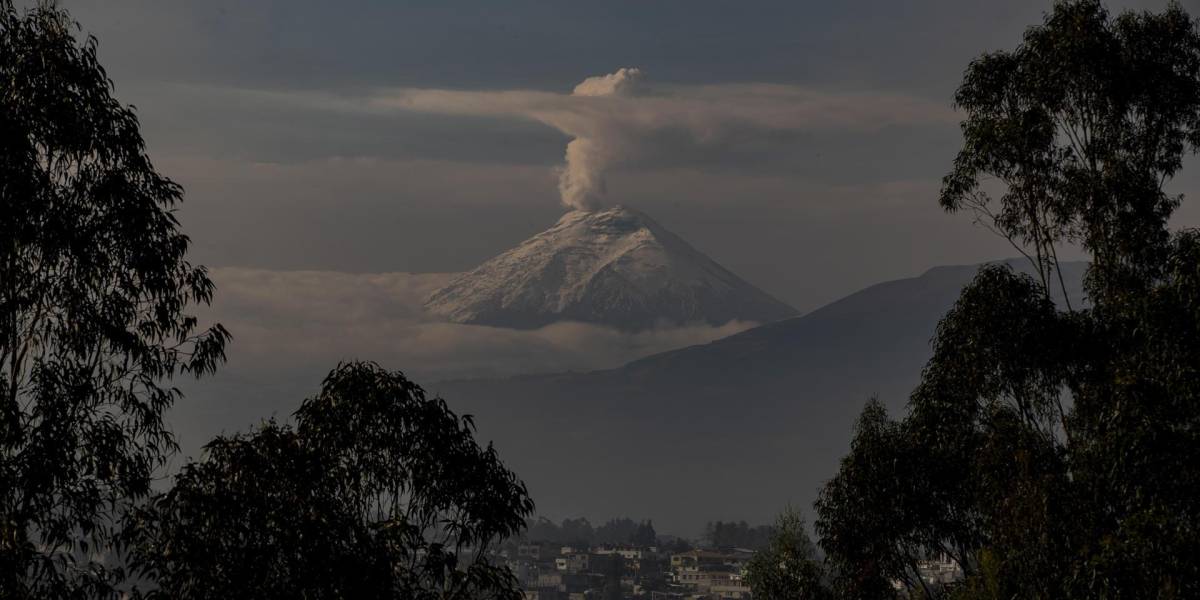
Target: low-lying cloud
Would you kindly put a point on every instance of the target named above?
(287, 322)
(290, 328)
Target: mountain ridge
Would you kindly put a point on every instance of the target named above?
(734, 428)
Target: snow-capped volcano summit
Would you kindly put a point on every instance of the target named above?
(615, 267)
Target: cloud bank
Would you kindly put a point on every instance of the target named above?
(290, 328)
(287, 322)
(618, 119)
(622, 120)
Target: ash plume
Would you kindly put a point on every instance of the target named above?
(591, 153)
(621, 120)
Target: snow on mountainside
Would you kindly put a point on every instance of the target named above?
(615, 267)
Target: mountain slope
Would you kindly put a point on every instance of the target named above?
(615, 267)
(736, 428)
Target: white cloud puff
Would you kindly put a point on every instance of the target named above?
(620, 83)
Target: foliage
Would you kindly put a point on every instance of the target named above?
(1053, 451)
(722, 534)
(867, 510)
(378, 492)
(579, 532)
(788, 568)
(644, 535)
(94, 294)
(1081, 125)
(675, 545)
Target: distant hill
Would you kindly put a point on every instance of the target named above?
(735, 428)
(615, 267)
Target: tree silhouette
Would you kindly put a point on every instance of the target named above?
(866, 509)
(94, 294)
(737, 534)
(378, 492)
(644, 535)
(1053, 451)
(788, 567)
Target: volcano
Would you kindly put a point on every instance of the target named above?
(615, 267)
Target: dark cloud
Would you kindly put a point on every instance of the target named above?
(548, 45)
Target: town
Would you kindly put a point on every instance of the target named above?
(624, 559)
(549, 571)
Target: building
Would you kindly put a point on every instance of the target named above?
(939, 570)
(729, 592)
(572, 563)
(713, 575)
(626, 552)
(698, 559)
(531, 552)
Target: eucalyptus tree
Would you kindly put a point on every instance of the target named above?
(788, 567)
(1053, 450)
(378, 492)
(95, 293)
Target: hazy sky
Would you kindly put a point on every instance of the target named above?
(800, 144)
(273, 115)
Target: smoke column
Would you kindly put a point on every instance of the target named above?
(581, 179)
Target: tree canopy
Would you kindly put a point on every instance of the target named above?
(737, 534)
(579, 531)
(95, 293)
(377, 492)
(1052, 451)
(788, 567)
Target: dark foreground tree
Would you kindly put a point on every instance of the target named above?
(788, 567)
(1053, 451)
(867, 508)
(378, 492)
(94, 294)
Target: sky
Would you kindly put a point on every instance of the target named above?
(269, 113)
(340, 158)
